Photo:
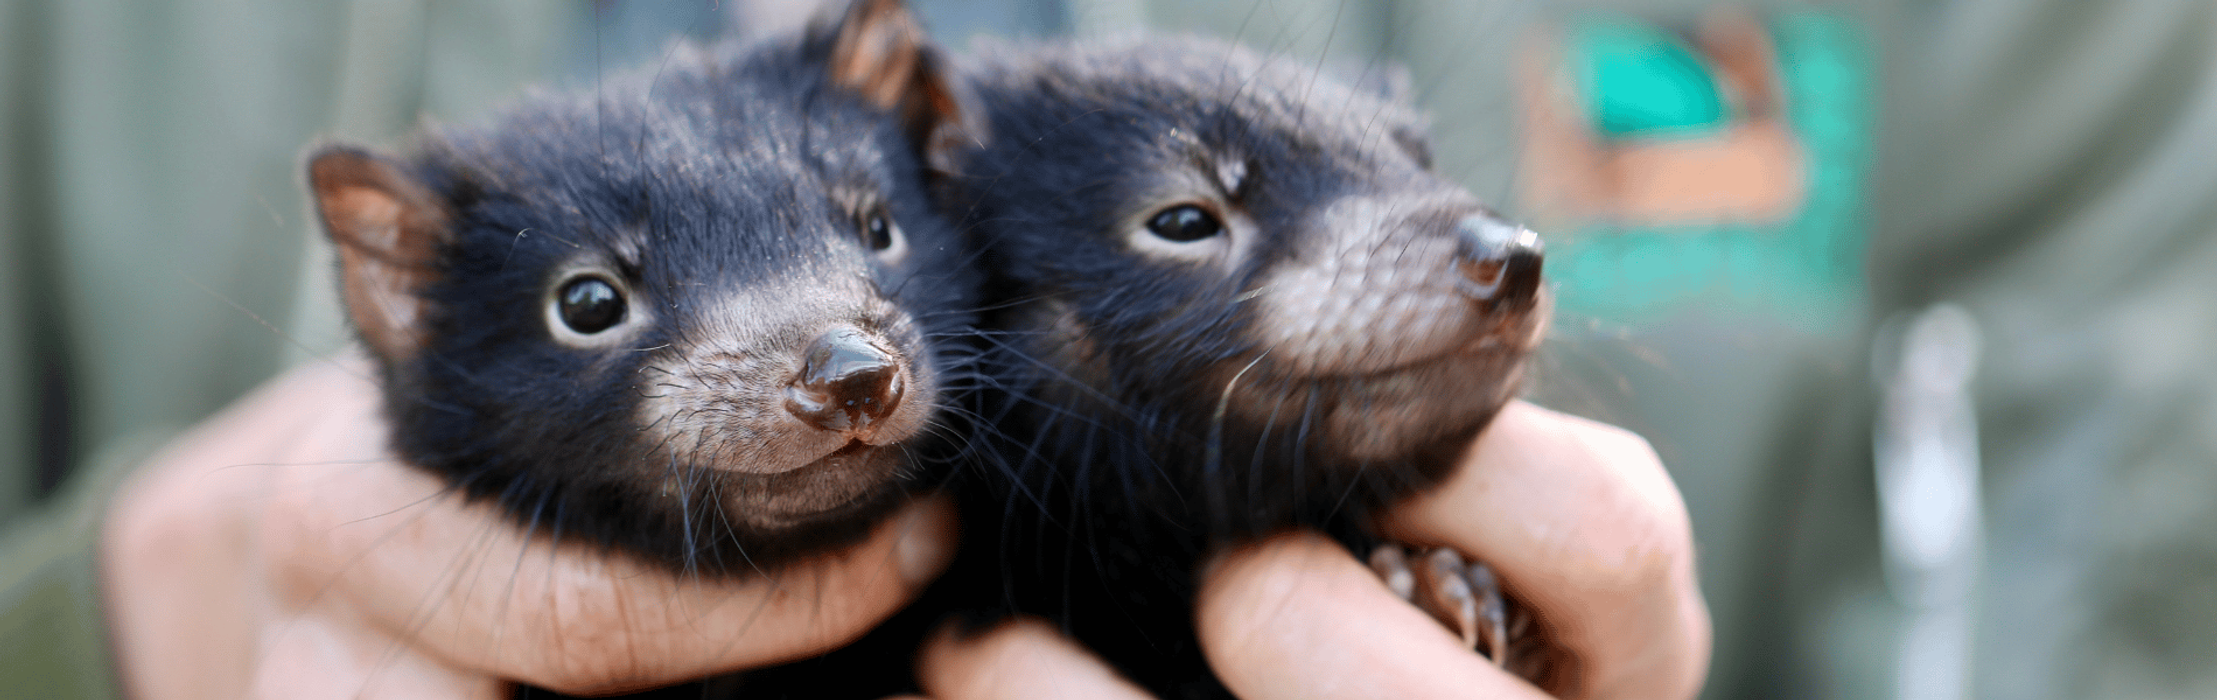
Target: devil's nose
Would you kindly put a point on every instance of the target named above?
(1500, 261)
(847, 382)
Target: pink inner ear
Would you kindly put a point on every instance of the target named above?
(876, 52)
(387, 231)
(364, 217)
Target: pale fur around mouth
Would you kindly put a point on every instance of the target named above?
(844, 480)
(1512, 335)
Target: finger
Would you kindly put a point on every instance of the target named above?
(1296, 616)
(1586, 528)
(1021, 659)
(399, 551)
(184, 599)
(327, 659)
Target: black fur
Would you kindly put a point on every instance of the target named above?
(1149, 407)
(721, 169)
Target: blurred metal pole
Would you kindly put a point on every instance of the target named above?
(1927, 464)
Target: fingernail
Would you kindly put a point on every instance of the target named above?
(927, 541)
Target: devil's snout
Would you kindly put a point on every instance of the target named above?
(1499, 261)
(847, 383)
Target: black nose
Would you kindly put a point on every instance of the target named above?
(847, 383)
(1500, 261)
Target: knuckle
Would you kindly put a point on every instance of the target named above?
(291, 542)
(1258, 571)
(585, 664)
(556, 630)
(1640, 534)
(1263, 576)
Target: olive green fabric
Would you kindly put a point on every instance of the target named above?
(154, 238)
(2048, 166)
(2058, 180)
(53, 642)
(152, 192)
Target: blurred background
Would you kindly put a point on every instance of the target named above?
(1912, 296)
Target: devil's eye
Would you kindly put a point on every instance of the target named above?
(589, 305)
(1184, 223)
(879, 231)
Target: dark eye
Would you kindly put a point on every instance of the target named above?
(590, 305)
(1184, 223)
(880, 230)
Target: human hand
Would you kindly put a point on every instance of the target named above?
(1578, 518)
(279, 551)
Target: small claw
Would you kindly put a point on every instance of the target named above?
(1391, 563)
(1493, 613)
(1444, 591)
(1462, 594)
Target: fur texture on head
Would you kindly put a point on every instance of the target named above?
(620, 312)
(1238, 299)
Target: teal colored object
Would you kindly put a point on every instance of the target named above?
(1806, 269)
(1643, 82)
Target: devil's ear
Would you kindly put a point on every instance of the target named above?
(878, 50)
(389, 229)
